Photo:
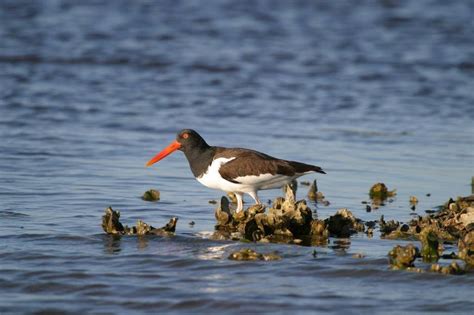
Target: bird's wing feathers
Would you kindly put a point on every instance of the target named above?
(252, 164)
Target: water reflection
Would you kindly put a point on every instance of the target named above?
(142, 242)
(340, 246)
(213, 252)
(112, 244)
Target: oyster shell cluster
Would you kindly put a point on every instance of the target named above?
(454, 223)
(286, 221)
(249, 254)
(111, 225)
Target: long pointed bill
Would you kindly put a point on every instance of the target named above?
(175, 145)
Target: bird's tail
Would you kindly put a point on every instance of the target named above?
(303, 168)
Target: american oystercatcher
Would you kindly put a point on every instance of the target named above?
(234, 170)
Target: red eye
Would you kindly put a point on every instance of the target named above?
(185, 136)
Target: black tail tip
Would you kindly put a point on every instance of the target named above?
(320, 170)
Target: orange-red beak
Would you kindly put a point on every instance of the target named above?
(175, 145)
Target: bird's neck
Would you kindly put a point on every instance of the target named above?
(200, 158)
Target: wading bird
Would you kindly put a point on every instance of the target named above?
(234, 170)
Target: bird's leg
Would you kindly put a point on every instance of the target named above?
(240, 203)
(254, 195)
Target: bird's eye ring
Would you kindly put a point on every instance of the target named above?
(185, 136)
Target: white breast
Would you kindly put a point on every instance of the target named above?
(213, 179)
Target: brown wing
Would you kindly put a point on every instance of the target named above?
(249, 162)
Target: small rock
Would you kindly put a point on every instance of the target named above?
(111, 222)
(402, 257)
(192, 223)
(319, 229)
(314, 194)
(343, 224)
(222, 213)
(232, 197)
(246, 254)
(380, 192)
(452, 269)
(151, 195)
(313, 191)
(290, 191)
(466, 248)
(212, 202)
(413, 200)
(430, 245)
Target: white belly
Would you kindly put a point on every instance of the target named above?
(213, 179)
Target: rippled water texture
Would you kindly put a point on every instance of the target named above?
(90, 90)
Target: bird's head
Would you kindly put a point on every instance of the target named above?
(186, 140)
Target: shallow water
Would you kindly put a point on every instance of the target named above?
(373, 91)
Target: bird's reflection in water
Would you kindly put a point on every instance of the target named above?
(213, 252)
(112, 244)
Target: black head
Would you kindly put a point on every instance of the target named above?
(190, 140)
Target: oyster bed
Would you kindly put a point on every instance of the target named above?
(292, 221)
